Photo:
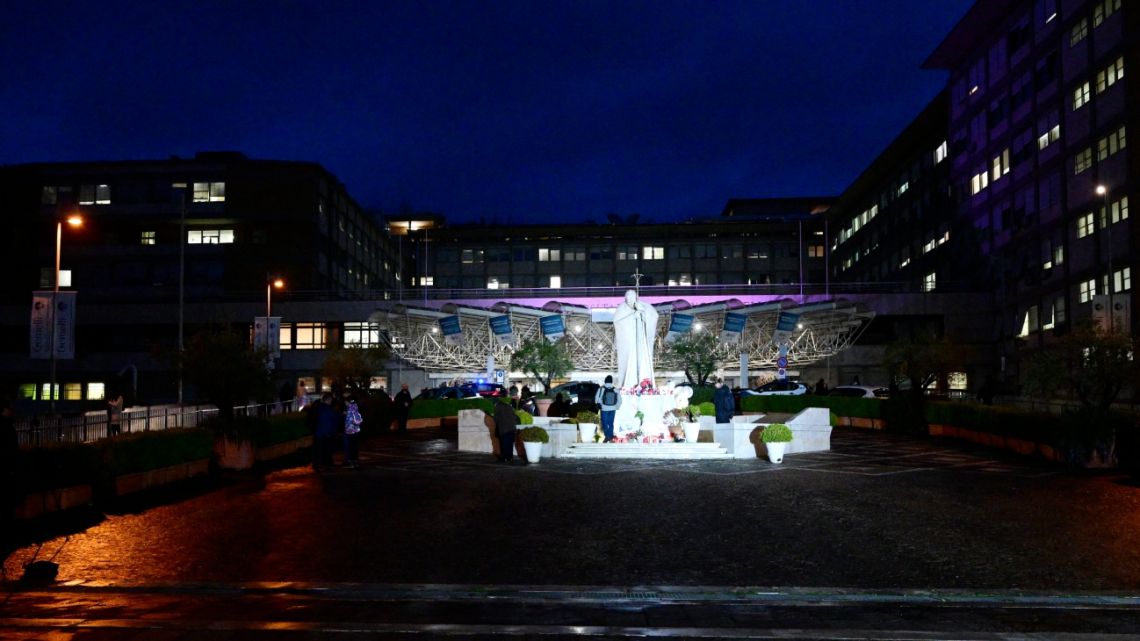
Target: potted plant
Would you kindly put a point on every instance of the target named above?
(775, 438)
(542, 403)
(533, 438)
(690, 422)
(588, 425)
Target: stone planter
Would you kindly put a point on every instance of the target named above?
(692, 432)
(233, 455)
(543, 405)
(139, 481)
(533, 451)
(54, 500)
(586, 431)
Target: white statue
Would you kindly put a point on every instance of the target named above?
(635, 329)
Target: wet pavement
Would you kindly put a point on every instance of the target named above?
(882, 536)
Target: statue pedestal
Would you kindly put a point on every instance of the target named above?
(653, 408)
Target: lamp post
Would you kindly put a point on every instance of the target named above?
(1102, 191)
(271, 283)
(181, 189)
(74, 220)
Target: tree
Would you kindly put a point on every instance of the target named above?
(226, 370)
(1088, 364)
(351, 368)
(695, 353)
(542, 359)
(922, 357)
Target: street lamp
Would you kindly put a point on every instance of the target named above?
(271, 283)
(1102, 191)
(73, 220)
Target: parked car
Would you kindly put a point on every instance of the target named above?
(448, 391)
(859, 391)
(486, 390)
(576, 391)
(777, 388)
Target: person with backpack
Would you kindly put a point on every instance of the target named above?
(608, 401)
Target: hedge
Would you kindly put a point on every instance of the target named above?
(841, 405)
(437, 408)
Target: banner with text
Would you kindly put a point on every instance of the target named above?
(785, 324)
(501, 328)
(553, 327)
(53, 326)
(733, 327)
(270, 342)
(679, 324)
(452, 331)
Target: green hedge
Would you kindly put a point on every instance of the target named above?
(437, 408)
(262, 432)
(702, 394)
(1005, 421)
(54, 466)
(840, 405)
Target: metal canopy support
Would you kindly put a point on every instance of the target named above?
(827, 329)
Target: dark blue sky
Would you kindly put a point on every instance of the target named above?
(514, 111)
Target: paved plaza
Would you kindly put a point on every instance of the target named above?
(882, 537)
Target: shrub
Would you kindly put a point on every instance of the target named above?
(524, 417)
(776, 433)
(589, 417)
(534, 435)
(843, 406)
(702, 394)
(144, 451)
(56, 466)
(706, 408)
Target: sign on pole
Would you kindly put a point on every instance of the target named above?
(501, 328)
(48, 319)
(733, 327)
(785, 324)
(553, 327)
(451, 329)
(678, 324)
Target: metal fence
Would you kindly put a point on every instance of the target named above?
(93, 426)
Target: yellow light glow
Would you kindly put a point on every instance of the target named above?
(75, 220)
(278, 283)
(1101, 190)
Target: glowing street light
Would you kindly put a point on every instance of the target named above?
(1102, 191)
(270, 285)
(73, 220)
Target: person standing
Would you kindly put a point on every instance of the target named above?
(352, 422)
(723, 402)
(608, 401)
(115, 413)
(326, 431)
(403, 404)
(506, 421)
(513, 393)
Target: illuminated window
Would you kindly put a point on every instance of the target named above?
(653, 253)
(1087, 290)
(427, 281)
(1086, 225)
(210, 237)
(929, 282)
(1119, 210)
(957, 381)
(815, 251)
(26, 391)
(73, 391)
(1082, 162)
(1110, 144)
(1122, 280)
(941, 152)
(309, 336)
(361, 334)
(555, 282)
(1103, 10)
(209, 192)
(94, 194)
(472, 256)
(1081, 95)
(1001, 164)
(979, 182)
(630, 253)
(548, 255)
(1109, 76)
(929, 246)
(574, 253)
(147, 238)
(45, 394)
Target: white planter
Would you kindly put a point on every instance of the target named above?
(692, 432)
(776, 451)
(586, 431)
(533, 451)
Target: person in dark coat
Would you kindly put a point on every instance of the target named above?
(505, 424)
(402, 405)
(723, 402)
(559, 407)
(327, 425)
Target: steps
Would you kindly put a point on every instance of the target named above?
(679, 451)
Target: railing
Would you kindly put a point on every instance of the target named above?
(92, 426)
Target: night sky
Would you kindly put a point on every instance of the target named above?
(510, 111)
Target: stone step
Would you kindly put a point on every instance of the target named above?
(683, 451)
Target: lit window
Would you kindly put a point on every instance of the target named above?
(1001, 164)
(1050, 136)
(310, 335)
(472, 256)
(210, 237)
(957, 381)
(630, 253)
(555, 282)
(1081, 95)
(548, 255)
(902, 188)
(1119, 210)
(979, 182)
(1082, 162)
(1122, 280)
(427, 281)
(492, 283)
(27, 391)
(147, 238)
(73, 391)
(362, 334)
(1087, 290)
(45, 394)
(96, 391)
(1103, 10)
(209, 192)
(654, 253)
(941, 152)
(1110, 144)
(1086, 225)
(50, 196)
(929, 282)
(815, 251)
(1109, 76)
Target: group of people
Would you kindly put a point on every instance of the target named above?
(329, 420)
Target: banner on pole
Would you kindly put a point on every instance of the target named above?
(678, 324)
(451, 329)
(553, 328)
(501, 328)
(272, 342)
(785, 324)
(53, 325)
(733, 327)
